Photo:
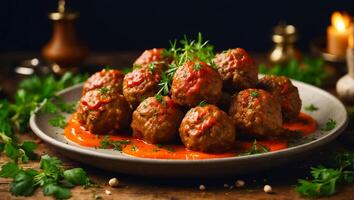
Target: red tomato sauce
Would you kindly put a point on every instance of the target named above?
(305, 124)
(138, 148)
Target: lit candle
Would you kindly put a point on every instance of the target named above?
(337, 34)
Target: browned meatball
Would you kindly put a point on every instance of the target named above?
(140, 84)
(236, 69)
(257, 113)
(106, 77)
(103, 111)
(156, 121)
(155, 56)
(194, 82)
(282, 87)
(207, 129)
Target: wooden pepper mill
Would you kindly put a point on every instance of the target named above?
(64, 49)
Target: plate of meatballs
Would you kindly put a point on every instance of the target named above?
(190, 113)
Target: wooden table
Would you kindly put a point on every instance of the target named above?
(282, 179)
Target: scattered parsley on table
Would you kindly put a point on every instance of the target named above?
(325, 180)
(52, 178)
(14, 116)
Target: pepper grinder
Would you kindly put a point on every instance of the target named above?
(64, 49)
(284, 38)
(345, 85)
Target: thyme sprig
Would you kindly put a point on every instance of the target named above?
(181, 52)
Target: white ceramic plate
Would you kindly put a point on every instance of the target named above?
(329, 108)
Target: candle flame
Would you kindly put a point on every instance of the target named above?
(340, 21)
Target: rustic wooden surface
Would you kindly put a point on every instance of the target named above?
(282, 179)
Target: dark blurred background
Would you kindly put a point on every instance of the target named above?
(110, 25)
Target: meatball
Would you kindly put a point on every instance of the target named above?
(156, 120)
(140, 84)
(194, 82)
(236, 69)
(155, 56)
(208, 129)
(103, 111)
(106, 77)
(257, 113)
(282, 87)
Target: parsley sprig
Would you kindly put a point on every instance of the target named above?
(14, 116)
(311, 108)
(32, 93)
(325, 180)
(310, 70)
(52, 178)
(106, 143)
(256, 148)
(167, 148)
(203, 103)
(330, 124)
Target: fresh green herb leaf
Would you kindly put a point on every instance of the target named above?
(52, 189)
(107, 67)
(256, 148)
(164, 84)
(325, 180)
(168, 148)
(12, 151)
(58, 121)
(310, 70)
(152, 67)
(23, 184)
(28, 147)
(330, 124)
(311, 108)
(129, 69)
(32, 93)
(119, 145)
(158, 97)
(17, 151)
(52, 178)
(106, 143)
(134, 148)
(104, 90)
(49, 107)
(182, 52)
(9, 170)
(203, 103)
(197, 66)
(76, 176)
(64, 106)
(254, 94)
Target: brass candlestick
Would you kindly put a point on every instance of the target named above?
(64, 49)
(284, 38)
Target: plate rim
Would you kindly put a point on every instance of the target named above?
(295, 149)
